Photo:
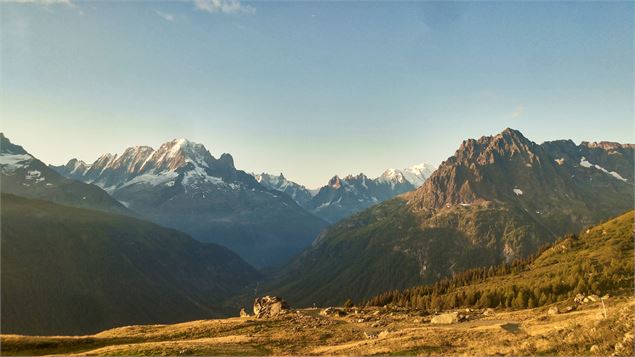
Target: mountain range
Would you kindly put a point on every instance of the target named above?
(342, 197)
(181, 185)
(497, 199)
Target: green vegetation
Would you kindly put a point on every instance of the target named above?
(68, 270)
(391, 247)
(599, 261)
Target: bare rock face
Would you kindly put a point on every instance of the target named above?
(270, 306)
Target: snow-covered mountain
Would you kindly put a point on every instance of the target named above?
(297, 192)
(342, 197)
(182, 185)
(416, 174)
(24, 175)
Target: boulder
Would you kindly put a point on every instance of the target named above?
(594, 349)
(270, 306)
(331, 311)
(447, 318)
(578, 299)
(489, 312)
(569, 308)
(553, 310)
(370, 335)
(593, 298)
(243, 313)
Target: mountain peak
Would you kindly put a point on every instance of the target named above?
(335, 182)
(176, 153)
(6, 147)
(227, 160)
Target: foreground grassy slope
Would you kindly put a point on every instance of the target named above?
(368, 331)
(598, 261)
(68, 270)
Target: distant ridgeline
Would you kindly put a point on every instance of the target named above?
(598, 261)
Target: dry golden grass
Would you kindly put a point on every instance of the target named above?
(367, 332)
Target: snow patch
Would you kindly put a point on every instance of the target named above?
(152, 179)
(14, 161)
(585, 163)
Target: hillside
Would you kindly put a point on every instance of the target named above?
(598, 261)
(68, 270)
(497, 199)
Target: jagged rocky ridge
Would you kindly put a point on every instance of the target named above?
(182, 185)
(496, 199)
(342, 197)
(300, 194)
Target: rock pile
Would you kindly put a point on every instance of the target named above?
(270, 306)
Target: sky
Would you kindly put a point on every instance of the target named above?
(311, 89)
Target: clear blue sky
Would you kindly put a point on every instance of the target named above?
(312, 89)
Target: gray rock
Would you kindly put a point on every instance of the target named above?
(447, 318)
(270, 306)
(594, 349)
(331, 311)
(243, 313)
(579, 299)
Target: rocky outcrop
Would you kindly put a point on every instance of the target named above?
(448, 318)
(270, 306)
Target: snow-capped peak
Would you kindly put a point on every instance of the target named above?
(174, 154)
(417, 174)
(392, 176)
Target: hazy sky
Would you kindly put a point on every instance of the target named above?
(312, 89)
